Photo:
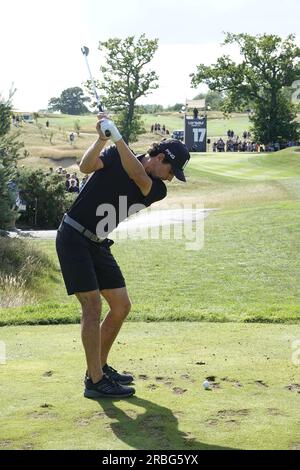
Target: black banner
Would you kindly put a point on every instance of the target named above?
(195, 134)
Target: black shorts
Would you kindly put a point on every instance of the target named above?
(86, 265)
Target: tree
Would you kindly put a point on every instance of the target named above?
(213, 99)
(150, 108)
(176, 107)
(77, 127)
(54, 104)
(125, 80)
(71, 101)
(9, 148)
(269, 63)
(5, 120)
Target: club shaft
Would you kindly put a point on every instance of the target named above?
(93, 84)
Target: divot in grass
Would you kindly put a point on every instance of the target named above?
(293, 388)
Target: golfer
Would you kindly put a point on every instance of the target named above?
(120, 184)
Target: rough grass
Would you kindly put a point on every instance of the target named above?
(23, 270)
(253, 404)
(36, 136)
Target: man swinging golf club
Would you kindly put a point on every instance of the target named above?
(88, 266)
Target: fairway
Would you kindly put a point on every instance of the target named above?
(249, 166)
(254, 401)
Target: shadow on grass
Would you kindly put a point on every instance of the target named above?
(153, 428)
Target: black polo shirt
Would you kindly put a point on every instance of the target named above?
(111, 188)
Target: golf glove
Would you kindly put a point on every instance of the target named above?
(107, 125)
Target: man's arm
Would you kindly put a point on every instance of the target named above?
(90, 161)
(131, 164)
(134, 168)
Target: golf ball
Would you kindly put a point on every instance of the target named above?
(206, 385)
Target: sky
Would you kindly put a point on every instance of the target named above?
(40, 40)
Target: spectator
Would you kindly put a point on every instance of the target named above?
(74, 176)
(73, 188)
(229, 145)
(221, 145)
(68, 176)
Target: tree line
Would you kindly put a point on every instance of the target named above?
(261, 83)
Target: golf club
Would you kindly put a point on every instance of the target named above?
(85, 51)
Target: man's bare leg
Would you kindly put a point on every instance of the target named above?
(90, 329)
(120, 305)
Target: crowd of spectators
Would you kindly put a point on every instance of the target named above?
(235, 144)
(73, 185)
(158, 128)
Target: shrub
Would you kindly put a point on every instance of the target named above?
(45, 196)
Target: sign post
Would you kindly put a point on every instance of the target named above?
(195, 134)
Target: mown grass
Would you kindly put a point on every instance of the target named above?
(248, 270)
(239, 180)
(253, 404)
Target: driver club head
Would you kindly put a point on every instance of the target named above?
(85, 51)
